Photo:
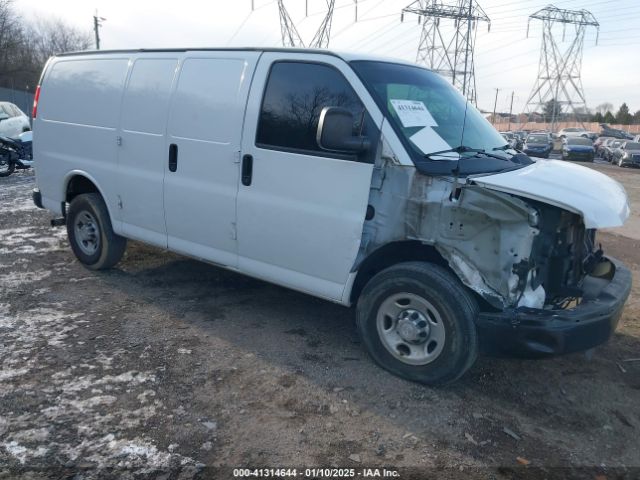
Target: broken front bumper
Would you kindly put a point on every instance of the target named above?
(534, 332)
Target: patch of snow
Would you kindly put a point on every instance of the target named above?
(17, 450)
(10, 281)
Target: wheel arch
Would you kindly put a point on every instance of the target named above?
(77, 182)
(391, 254)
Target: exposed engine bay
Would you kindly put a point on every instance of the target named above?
(512, 251)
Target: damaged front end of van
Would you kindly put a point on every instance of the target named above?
(524, 241)
(519, 234)
(559, 292)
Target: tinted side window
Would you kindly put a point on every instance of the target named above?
(294, 96)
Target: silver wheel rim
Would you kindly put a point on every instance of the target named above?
(410, 328)
(4, 165)
(87, 232)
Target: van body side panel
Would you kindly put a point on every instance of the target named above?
(143, 150)
(300, 220)
(205, 125)
(76, 127)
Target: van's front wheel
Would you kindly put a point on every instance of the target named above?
(91, 235)
(417, 321)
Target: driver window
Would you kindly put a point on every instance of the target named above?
(295, 94)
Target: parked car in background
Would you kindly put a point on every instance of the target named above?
(636, 138)
(520, 138)
(537, 145)
(13, 121)
(578, 148)
(608, 147)
(627, 154)
(575, 132)
(521, 134)
(551, 137)
(598, 145)
(510, 138)
(607, 131)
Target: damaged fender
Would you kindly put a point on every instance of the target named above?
(481, 233)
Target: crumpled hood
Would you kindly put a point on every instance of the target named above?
(600, 200)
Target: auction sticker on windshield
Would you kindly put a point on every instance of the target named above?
(413, 113)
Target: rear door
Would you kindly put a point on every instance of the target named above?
(142, 154)
(301, 212)
(202, 156)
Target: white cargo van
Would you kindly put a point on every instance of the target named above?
(362, 181)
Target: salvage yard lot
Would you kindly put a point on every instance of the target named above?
(165, 365)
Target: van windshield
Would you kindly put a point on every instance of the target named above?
(431, 116)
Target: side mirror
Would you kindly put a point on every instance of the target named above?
(335, 132)
(3, 116)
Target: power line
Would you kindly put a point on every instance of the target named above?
(380, 33)
(239, 27)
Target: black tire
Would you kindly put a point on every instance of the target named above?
(6, 168)
(456, 309)
(104, 249)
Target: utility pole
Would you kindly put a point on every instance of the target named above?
(510, 110)
(97, 23)
(559, 78)
(445, 50)
(495, 104)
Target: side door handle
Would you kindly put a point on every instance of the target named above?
(173, 157)
(247, 169)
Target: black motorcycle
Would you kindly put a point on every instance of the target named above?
(15, 154)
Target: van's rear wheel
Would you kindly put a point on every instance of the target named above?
(91, 235)
(417, 321)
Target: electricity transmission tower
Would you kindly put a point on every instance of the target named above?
(445, 50)
(559, 86)
(290, 35)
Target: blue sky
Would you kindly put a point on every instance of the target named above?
(505, 58)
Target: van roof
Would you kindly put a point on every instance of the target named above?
(346, 56)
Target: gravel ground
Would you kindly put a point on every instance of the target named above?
(165, 367)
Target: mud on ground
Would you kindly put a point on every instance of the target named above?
(166, 367)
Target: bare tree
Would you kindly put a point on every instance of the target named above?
(604, 108)
(11, 38)
(26, 46)
(52, 36)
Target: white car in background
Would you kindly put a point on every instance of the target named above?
(575, 132)
(13, 121)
